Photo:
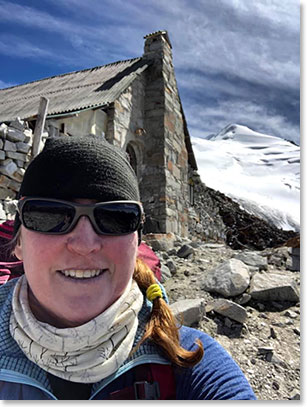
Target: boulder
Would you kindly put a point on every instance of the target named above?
(8, 168)
(228, 309)
(28, 137)
(295, 257)
(17, 156)
(172, 266)
(3, 130)
(165, 273)
(18, 124)
(160, 241)
(189, 311)
(274, 287)
(9, 146)
(23, 147)
(229, 279)
(253, 259)
(244, 299)
(15, 135)
(185, 251)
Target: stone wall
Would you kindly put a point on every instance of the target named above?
(176, 158)
(166, 171)
(125, 126)
(205, 222)
(147, 122)
(15, 148)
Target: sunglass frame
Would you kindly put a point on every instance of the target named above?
(80, 210)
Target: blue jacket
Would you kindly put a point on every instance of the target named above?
(216, 377)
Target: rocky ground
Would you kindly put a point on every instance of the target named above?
(267, 344)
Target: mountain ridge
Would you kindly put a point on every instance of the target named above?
(258, 171)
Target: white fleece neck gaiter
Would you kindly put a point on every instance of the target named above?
(85, 354)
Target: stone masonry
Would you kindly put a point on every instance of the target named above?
(146, 120)
(125, 124)
(15, 148)
(166, 171)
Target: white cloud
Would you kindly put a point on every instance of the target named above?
(255, 41)
(212, 119)
(13, 46)
(246, 45)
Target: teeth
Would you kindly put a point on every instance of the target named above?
(81, 273)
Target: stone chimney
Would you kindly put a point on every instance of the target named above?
(164, 186)
(155, 42)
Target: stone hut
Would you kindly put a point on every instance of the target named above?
(133, 103)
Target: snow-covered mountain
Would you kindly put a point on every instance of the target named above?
(260, 172)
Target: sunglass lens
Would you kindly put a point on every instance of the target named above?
(47, 217)
(118, 218)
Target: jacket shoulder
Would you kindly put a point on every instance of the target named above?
(216, 377)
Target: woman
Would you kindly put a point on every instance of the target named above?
(88, 320)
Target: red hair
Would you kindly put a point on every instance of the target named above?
(162, 328)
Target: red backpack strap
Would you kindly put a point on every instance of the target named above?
(153, 381)
(164, 375)
(5, 275)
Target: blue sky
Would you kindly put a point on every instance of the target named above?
(236, 61)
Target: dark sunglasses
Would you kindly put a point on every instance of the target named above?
(57, 217)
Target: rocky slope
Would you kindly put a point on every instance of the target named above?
(216, 216)
(250, 305)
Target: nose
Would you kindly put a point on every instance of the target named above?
(83, 240)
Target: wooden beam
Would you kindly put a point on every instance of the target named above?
(39, 126)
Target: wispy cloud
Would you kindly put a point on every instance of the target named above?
(14, 46)
(259, 119)
(226, 52)
(257, 41)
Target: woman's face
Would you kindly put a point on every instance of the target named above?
(61, 272)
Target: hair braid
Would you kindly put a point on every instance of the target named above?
(162, 328)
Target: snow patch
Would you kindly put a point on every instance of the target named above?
(259, 171)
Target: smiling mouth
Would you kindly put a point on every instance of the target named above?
(82, 274)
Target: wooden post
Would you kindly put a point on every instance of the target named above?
(39, 126)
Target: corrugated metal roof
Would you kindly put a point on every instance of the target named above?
(70, 92)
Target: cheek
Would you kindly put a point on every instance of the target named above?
(34, 248)
(124, 252)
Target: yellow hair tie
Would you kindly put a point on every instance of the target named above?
(153, 291)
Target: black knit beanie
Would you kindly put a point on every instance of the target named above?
(79, 167)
